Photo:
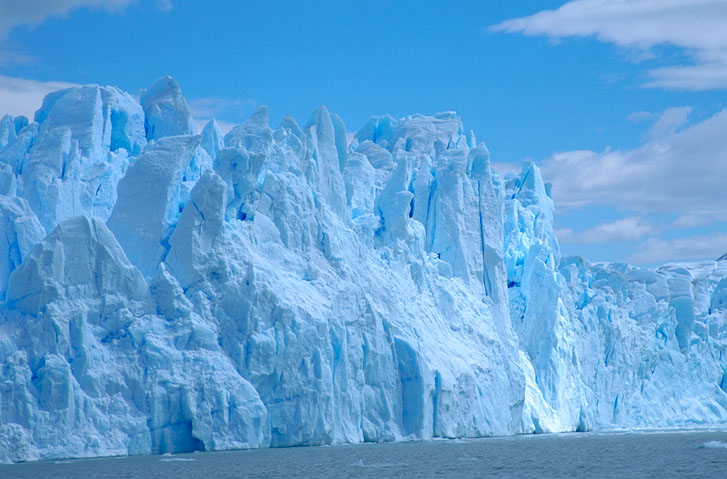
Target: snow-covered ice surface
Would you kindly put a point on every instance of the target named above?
(165, 292)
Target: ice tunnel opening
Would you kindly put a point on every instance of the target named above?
(177, 438)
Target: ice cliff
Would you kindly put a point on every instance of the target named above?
(167, 291)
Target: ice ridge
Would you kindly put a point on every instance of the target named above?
(163, 291)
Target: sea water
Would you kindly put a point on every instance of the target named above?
(673, 454)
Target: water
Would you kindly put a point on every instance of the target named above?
(683, 454)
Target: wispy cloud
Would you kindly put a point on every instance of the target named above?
(665, 122)
(696, 26)
(698, 247)
(626, 229)
(677, 172)
(227, 111)
(10, 56)
(688, 221)
(33, 12)
(221, 107)
(14, 13)
(505, 169)
(669, 121)
(166, 5)
(700, 77)
(19, 96)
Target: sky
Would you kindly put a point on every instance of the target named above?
(621, 103)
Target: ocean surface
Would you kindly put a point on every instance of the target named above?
(658, 455)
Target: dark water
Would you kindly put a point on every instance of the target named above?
(683, 454)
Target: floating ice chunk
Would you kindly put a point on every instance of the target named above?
(714, 445)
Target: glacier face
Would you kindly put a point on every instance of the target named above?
(164, 291)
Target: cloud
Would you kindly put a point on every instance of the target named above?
(687, 221)
(166, 5)
(669, 121)
(626, 229)
(696, 26)
(656, 251)
(679, 172)
(666, 122)
(14, 56)
(227, 111)
(505, 169)
(19, 96)
(705, 76)
(212, 107)
(33, 12)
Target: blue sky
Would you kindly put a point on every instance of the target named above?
(620, 103)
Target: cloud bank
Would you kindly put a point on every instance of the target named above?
(696, 26)
(675, 172)
(19, 96)
(33, 12)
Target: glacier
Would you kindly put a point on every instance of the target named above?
(167, 291)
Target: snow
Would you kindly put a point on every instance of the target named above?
(167, 292)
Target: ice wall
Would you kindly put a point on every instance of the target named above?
(164, 291)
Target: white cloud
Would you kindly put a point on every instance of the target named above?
(33, 12)
(697, 26)
(166, 5)
(212, 107)
(19, 96)
(505, 169)
(699, 247)
(231, 110)
(639, 116)
(681, 172)
(704, 76)
(669, 121)
(626, 229)
(14, 56)
(666, 122)
(687, 221)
